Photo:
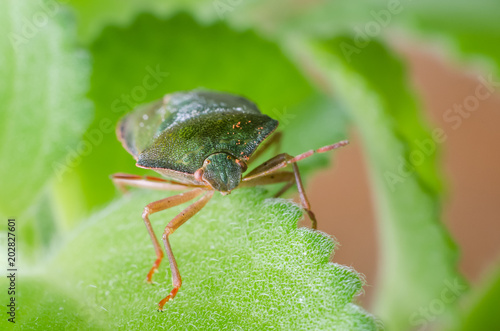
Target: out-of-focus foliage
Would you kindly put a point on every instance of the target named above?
(44, 113)
(481, 312)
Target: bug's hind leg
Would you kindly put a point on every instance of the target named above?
(155, 207)
(175, 223)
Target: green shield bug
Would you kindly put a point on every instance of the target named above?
(202, 142)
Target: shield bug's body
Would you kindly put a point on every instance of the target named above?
(202, 142)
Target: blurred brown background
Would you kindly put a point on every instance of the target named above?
(470, 163)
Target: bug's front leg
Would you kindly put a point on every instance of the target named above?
(174, 224)
(155, 207)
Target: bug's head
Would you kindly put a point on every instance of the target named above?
(222, 171)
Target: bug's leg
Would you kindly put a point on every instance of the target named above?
(275, 139)
(295, 179)
(274, 178)
(121, 181)
(281, 161)
(180, 219)
(303, 198)
(155, 207)
(285, 188)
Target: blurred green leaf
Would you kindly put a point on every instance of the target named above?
(243, 262)
(42, 305)
(44, 111)
(94, 16)
(469, 28)
(418, 257)
(481, 312)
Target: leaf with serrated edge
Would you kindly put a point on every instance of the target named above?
(243, 262)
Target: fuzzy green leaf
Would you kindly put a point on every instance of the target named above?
(244, 264)
(44, 112)
(417, 255)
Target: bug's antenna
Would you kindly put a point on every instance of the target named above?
(334, 146)
(319, 150)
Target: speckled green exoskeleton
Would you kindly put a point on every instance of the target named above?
(202, 142)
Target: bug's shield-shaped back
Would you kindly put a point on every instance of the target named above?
(181, 130)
